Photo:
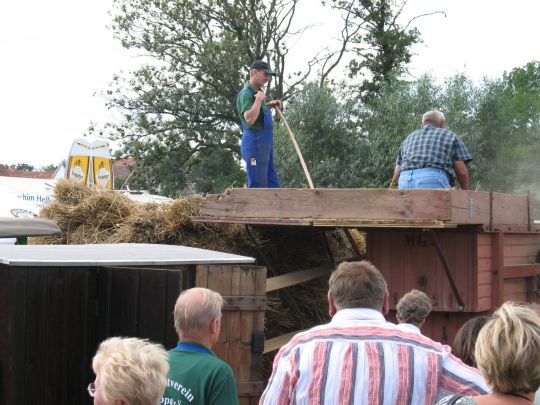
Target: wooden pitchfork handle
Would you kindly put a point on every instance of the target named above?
(353, 244)
(297, 148)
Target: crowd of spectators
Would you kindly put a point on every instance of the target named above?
(357, 358)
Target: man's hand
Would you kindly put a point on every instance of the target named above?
(276, 103)
(260, 96)
(251, 115)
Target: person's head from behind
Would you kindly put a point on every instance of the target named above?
(434, 117)
(129, 371)
(413, 308)
(197, 315)
(466, 337)
(507, 350)
(357, 285)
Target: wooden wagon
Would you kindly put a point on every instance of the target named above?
(469, 251)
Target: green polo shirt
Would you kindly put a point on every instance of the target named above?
(244, 102)
(199, 378)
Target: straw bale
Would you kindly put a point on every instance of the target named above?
(91, 216)
(70, 192)
(144, 225)
(105, 209)
(179, 212)
(360, 239)
(67, 217)
(88, 234)
(47, 240)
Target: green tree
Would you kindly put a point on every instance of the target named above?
(497, 119)
(394, 113)
(180, 107)
(380, 44)
(327, 136)
(48, 168)
(397, 111)
(508, 143)
(23, 166)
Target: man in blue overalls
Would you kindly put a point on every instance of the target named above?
(257, 140)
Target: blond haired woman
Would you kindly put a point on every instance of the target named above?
(507, 353)
(129, 371)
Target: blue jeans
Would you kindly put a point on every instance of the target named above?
(427, 177)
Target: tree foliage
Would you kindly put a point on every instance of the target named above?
(398, 110)
(323, 127)
(497, 119)
(380, 44)
(179, 116)
(179, 109)
(508, 139)
(23, 166)
(48, 168)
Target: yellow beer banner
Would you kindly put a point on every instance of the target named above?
(78, 169)
(102, 172)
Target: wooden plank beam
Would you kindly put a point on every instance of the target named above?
(275, 343)
(374, 223)
(253, 221)
(297, 277)
(510, 209)
(521, 270)
(321, 203)
(244, 303)
(512, 228)
(370, 207)
(497, 282)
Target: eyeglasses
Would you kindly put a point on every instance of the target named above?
(92, 389)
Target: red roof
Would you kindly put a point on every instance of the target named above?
(122, 167)
(7, 172)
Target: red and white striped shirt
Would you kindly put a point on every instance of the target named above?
(359, 358)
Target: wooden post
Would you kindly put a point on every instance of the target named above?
(244, 290)
(297, 149)
(498, 270)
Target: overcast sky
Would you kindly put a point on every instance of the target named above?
(56, 54)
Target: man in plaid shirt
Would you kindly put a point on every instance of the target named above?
(432, 157)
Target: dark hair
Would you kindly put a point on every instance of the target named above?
(357, 285)
(466, 339)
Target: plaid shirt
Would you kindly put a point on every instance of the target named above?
(432, 146)
(359, 358)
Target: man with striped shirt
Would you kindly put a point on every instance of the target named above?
(359, 358)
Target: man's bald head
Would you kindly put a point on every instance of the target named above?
(195, 309)
(434, 117)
